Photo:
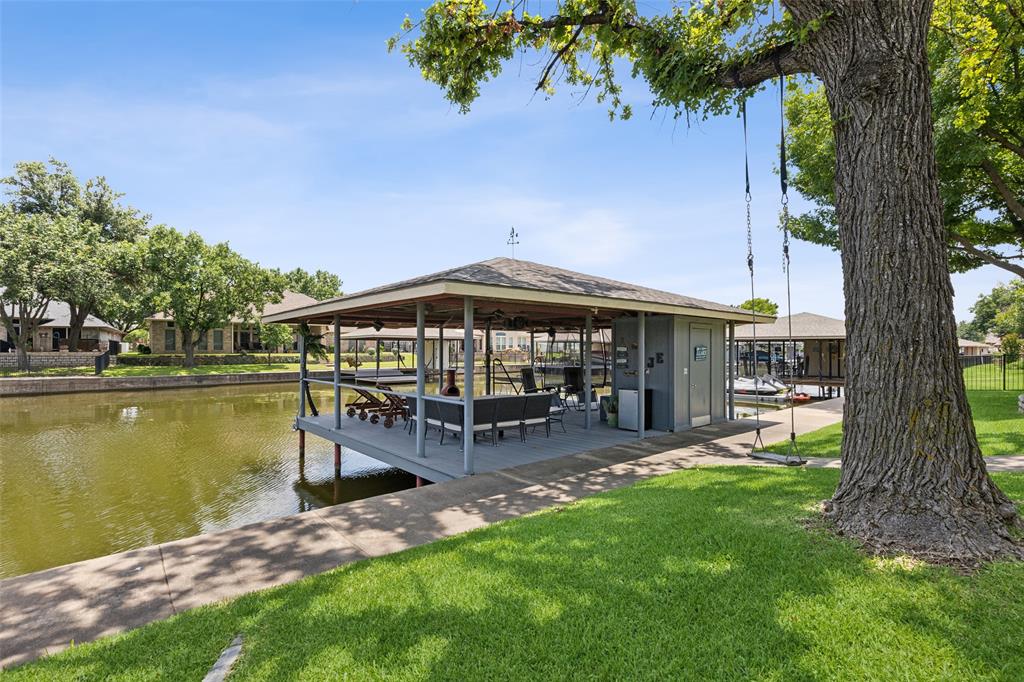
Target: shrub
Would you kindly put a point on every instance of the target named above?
(144, 349)
(1011, 347)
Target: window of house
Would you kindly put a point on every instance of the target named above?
(218, 339)
(169, 340)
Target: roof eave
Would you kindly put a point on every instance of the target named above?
(359, 302)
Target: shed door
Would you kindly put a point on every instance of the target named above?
(700, 375)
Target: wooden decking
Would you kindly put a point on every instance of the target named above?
(396, 447)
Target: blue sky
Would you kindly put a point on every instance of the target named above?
(286, 129)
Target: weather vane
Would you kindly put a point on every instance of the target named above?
(513, 240)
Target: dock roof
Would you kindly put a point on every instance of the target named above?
(540, 294)
(805, 326)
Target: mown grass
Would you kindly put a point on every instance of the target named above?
(704, 574)
(1000, 428)
(992, 376)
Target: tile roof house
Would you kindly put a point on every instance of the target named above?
(96, 333)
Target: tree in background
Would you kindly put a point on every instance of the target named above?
(1011, 347)
(320, 285)
(131, 296)
(1000, 312)
(203, 287)
(975, 51)
(29, 247)
(274, 336)
(913, 477)
(104, 228)
(764, 306)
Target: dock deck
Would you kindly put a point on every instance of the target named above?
(396, 447)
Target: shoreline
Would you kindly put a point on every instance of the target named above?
(11, 387)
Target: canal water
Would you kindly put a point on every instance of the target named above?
(89, 474)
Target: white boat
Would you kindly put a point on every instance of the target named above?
(755, 385)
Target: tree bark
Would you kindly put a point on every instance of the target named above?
(913, 478)
(188, 348)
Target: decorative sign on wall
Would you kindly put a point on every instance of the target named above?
(700, 352)
(621, 356)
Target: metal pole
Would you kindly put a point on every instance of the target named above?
(641, 375)
(467, 364)
(377, 355)
(302, 393)
(732, 370)
(421, 381)
(533, 348)
(440, 358)
(337, 371)
(487, 358)
(302, 375)
(588, 380)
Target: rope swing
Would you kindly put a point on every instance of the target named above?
(792, 456)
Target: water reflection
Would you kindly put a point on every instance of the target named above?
(90, 474)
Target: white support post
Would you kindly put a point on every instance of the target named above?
(467, 364)
(641, 375)
(337, 371)
(421, 381)
(588, 379)
(731, 369)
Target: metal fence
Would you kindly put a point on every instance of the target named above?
(992, 373)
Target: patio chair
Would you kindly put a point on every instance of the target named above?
(453, 414)
(433, 414)
(536, 412)
(508, 414)
(556, 412)
(573, 387)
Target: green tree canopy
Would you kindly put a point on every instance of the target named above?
(33, 247)
(320, 285)
(976, 54)
(999, 312)
(205, 286)
(274, 336)
(765, 306)
(105, 228)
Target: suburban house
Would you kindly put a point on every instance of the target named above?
(52, 334)
(974, 349)
(236, 336)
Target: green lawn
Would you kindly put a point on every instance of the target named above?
(990, 377)
(704, 574)
(999, 425)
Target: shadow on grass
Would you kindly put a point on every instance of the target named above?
(701, 574)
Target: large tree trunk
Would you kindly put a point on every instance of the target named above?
(913, 478)
(75, 324)
(188, 347)
(24, 363)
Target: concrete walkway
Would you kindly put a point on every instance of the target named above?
(42, 612)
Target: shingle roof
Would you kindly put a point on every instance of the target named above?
(58, 314)
(805, 326)
(522, 274)
(289, 300)
(967, 343)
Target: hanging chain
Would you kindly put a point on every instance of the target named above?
(750, 267)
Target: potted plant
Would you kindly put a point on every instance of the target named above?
(613, 412)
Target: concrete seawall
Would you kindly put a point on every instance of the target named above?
(22, 386)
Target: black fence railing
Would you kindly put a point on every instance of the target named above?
(992, 373)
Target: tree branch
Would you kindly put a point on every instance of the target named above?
(557, 57)
(973, 250)
(1003, 141)
(1012, 202)
(782, 59)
